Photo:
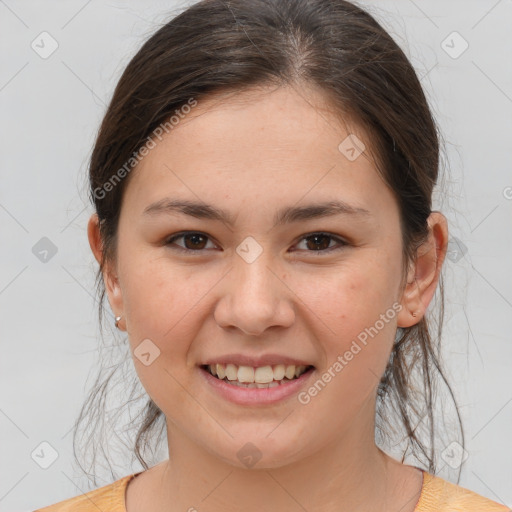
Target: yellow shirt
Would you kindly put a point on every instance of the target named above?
(437, 495)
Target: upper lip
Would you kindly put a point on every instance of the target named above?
(263, 360)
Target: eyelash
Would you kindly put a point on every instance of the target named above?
(169, 242)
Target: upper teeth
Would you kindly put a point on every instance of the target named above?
(261, 374)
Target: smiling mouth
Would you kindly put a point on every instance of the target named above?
(260, 377)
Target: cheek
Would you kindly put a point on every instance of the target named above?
(358, 321)
(353, 296)
(159, 299)
(163, 305)
(356, 348)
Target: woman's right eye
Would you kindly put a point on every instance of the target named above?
(193, 241)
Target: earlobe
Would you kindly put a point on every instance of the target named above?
(410, 313)
(424, 272)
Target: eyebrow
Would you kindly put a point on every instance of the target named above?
(286, 215)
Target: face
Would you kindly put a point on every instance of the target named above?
(194, 288)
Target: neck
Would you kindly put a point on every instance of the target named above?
(350, 474)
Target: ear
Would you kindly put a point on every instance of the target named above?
(110, 278)
(424, 273)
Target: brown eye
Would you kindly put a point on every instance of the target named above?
(192, 241)
(321, 242)
(196, 241)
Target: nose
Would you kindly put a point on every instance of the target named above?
(254, 297)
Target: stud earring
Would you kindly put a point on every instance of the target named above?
(117, 321)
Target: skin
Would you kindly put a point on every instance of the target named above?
(252, 154)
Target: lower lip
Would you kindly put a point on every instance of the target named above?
(256, 396)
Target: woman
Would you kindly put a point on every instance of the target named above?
(262, 183)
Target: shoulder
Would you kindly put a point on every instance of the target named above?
(110, 497)
(439, 495)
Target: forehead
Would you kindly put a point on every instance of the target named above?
(265, 118)
(258, 145)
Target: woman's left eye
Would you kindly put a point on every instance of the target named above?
(320, 242)
(196, 241)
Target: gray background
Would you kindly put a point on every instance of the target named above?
(51, 109)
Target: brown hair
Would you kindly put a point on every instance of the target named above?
(229, 46)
